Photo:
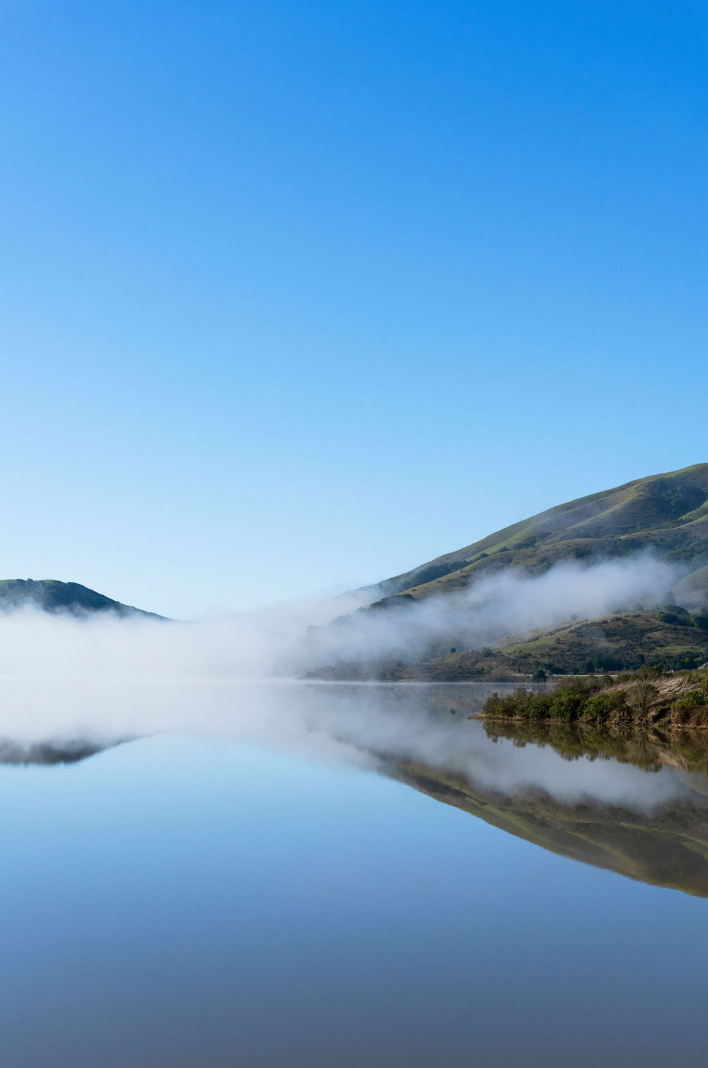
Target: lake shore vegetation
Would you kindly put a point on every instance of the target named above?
(647, 697)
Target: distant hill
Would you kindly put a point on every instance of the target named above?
(54, 596)
(667, 513)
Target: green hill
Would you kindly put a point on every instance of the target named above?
(671, 638)
(667, 513)
(54, 596)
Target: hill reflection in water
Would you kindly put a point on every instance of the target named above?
(635, 803)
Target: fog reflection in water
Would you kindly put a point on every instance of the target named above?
(258, 884)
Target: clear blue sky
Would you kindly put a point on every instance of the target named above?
(297, 295)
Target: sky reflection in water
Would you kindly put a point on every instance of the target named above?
(211, 900)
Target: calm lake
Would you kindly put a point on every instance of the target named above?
(313, 876)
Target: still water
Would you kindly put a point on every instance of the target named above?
(373, 879)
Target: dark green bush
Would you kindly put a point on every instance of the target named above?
(649, 672)
(521, 702)
(504, 704)
(606, 706)
(677, 619)
(609, 662)
(689, 701)
(567, 703)
(683, 707)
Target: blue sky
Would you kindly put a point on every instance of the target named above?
(295, 296)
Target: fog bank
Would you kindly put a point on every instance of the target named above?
(101, 678)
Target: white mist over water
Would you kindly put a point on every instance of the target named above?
(368, 726)
(60, 674)
(103, 678)
(288, 638)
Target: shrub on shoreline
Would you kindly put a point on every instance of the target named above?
(603, 699)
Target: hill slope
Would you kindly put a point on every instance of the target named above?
(667, 513)
(54, 596)
(672, 639)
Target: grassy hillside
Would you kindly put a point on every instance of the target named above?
(667, 513)
(54, 596)
(672, 638)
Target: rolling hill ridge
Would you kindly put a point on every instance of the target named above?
(51, 595)
(667, 513)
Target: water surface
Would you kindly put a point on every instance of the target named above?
(301, 897)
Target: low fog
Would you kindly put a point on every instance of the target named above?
(286, 640)
(102, 679)
(504, 604)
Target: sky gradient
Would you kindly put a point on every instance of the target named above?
(295, 296)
